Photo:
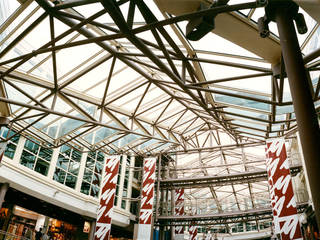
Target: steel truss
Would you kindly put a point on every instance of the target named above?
(221, 180)
(222, 218)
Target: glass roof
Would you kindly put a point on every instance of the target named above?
(131, 82)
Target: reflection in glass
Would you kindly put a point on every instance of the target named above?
(27, 159)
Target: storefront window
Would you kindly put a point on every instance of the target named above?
(36, 157)
(92, 174)
(12, 144)
(68, 164)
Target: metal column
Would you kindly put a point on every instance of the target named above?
(302, 100)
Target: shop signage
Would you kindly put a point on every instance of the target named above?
(103, 225)
(286, 220)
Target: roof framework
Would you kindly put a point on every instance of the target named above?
(121, 77)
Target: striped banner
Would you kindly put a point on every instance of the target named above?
(109, 183)
(286, 220)
(179, 211)
(145, 216)
(193, 232)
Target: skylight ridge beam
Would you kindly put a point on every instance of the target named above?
(117, 16)
(230, 79)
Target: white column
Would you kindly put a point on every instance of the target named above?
(121, 182)
(81, 170)
(130, 182)
(53, 162)
(40, 222)
(19, 149)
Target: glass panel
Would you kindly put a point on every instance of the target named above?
(123, 204)
(100, 157)
(94, 191)
(62, 162)
(74, 167)
(87, 175)
(85, 188)
(76, 155)
(98, 168)
(71, 180)
(27, 159)
(59, 175)
(45, 153)
(42, 167)
(10, 150)
(66, 150)
(31, 146)
(90, 163)
(96, 179)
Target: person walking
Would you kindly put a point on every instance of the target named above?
(39, 234)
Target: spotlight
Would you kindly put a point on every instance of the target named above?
(198, 27)
(301, 23)
(263, 27)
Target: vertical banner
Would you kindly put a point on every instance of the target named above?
(286, 220)
(108, 190)
(147, 195)
(193, 232)
(179, 211)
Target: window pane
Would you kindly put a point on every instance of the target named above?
(27, 159)
(10, 150)
(85, 187)
(87, 176)
(90, 163)
(31, 146)
(96, 179)
(45, 153)
(66, 150)
(71, 181)
(98, 168)
(62, 162)
(94, 191)
(42, 167)
(59, 175)
(74, 167)
(100, 157)
(123, 204)
(76, 155)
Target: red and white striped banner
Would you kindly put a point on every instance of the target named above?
(109, 183)
(286, 220)
(179, 210)
(145, 216)
(193, 232)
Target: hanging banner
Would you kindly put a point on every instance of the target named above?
(179, 211)
(147, 195)
(193, 232)
(286, 220)
(109, 183)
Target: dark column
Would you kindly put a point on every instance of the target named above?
(302, 100)
(3, 190)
